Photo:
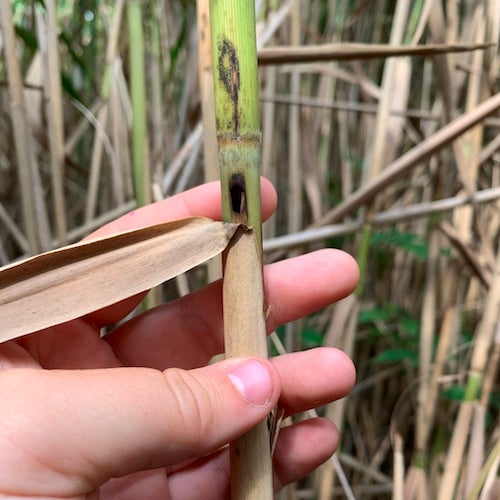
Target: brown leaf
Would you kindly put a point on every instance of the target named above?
(64, 284)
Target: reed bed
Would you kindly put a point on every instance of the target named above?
(380, 129)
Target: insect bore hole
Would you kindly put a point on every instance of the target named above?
(237, 193)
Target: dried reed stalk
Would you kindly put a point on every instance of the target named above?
(387, 129)
(268, 144)
(295, 170)
(295, 178)
(391, 216)
(100, 138)
(410, 159)
(100, 122)
(158, 132)
(341, 333)
(427, 337)
(206, 83)
(22, 137)
(118, 122)
(350, 51)
(48, 42)
(484, 337)
(469, 144)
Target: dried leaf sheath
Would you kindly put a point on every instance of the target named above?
(65, 284)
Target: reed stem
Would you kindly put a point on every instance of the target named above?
(234, 58)
(138, 97)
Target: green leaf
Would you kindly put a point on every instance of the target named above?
(453, 393)
(410, 326)
(395, 356)
(311, 338)
(409, 242)
(385, 313)
(28, 37)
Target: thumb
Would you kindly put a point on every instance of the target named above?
(67, 432)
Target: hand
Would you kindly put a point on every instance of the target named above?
(138, 414)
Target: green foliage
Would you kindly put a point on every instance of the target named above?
(75, 63)
(376, 314)
(456, 394)
(408, 242)
(27, 36)
(453, 393)
(394, 332)
(495, 401)
(179, 43)
(389, 356)
(311, 337)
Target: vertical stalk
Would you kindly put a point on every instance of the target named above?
(22, 136)
(238, 131)
(206, 83)
(138, 97)
(102, 116)
(396, 72)
(483, 344)
(295, 174)
(48, 37)
(157, 106)
(294, 206)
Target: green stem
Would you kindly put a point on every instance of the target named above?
(362, 257)
(234, 57)
(138, 98)
(237, 109)
(473, 387)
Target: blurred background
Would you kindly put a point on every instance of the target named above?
(380, 125)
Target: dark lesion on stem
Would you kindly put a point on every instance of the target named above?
(228, 66)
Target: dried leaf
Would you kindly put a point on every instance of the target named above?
(67, 283)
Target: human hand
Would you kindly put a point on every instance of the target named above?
(138, 414)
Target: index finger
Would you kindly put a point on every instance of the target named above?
(203, 200)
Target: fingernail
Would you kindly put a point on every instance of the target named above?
(253, 381)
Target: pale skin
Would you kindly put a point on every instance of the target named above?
(139, 414)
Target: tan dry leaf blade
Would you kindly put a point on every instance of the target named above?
(67, 283)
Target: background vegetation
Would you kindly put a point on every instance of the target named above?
(396, 160)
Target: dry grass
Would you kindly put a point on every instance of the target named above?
(396, 160)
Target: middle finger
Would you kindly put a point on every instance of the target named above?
(186, 333)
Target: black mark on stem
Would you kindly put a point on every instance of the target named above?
(237, 191)
(229, 74)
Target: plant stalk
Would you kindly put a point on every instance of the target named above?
(22, 137)
(234, 58)
(138, 98)
(48, 42)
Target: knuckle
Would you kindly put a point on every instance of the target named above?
(194, 398)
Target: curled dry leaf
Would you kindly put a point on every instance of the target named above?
(67, 283)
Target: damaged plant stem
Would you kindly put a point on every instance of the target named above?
(239, 139)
